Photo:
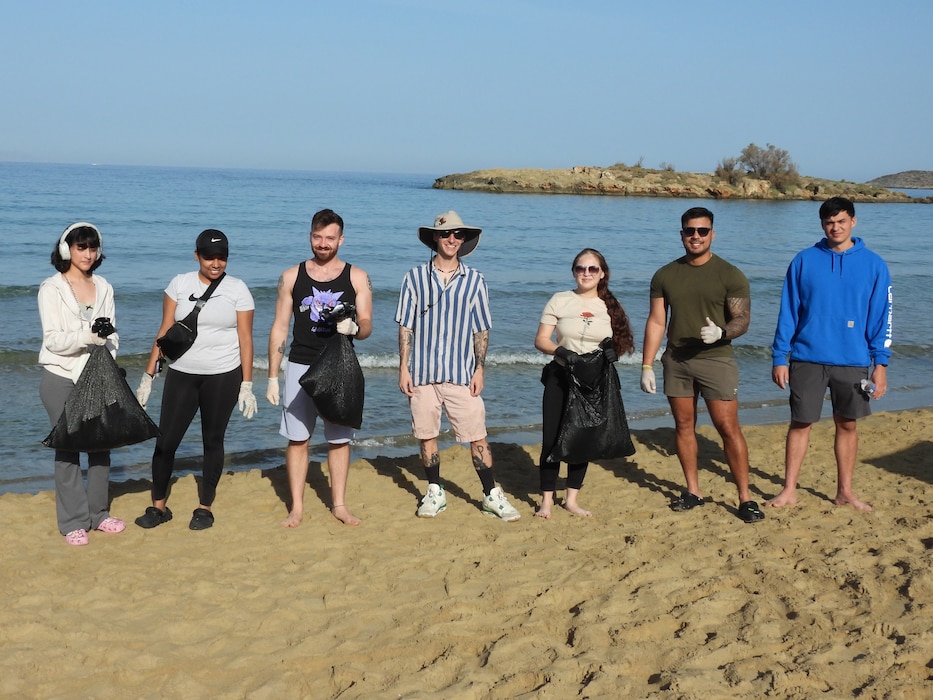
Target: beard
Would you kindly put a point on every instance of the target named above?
(324, 256)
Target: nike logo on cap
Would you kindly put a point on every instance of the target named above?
(216, 240)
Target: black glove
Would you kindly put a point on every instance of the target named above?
(568, 356)
(609, 352)
(103, 327)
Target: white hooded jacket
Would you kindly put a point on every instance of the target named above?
(64, 348)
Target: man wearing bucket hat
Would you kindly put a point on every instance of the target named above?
(444, 321)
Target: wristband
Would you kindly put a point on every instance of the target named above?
(724, 337)
(647, 366)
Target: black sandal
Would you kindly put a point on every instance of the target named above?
(749, 512)
(153, 517)
(201, 519)
(687, 501)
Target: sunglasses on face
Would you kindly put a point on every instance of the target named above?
(688, 231)
(459, 235)
(592, 269)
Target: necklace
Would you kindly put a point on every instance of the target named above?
(446, 272)
(83, 309)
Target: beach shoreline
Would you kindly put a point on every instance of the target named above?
(637, 601)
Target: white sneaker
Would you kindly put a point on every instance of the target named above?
(497, 504)
(434, 501)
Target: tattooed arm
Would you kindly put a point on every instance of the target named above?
(480, 346)
(278, 335)
(364, 302)
(405, 339)
(739, 312)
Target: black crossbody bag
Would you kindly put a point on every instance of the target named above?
(181, 336)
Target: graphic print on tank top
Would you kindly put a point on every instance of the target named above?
(315, 303)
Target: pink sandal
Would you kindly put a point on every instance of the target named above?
(111, 525)
(76, 537)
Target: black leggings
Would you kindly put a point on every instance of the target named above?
(216, 396)
(554, 378)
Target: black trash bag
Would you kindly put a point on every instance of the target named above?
(335, 383)
(593, 425)
(102, 412)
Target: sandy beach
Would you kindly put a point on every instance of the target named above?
(636, 602)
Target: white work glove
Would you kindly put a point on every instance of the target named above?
(649, 384)
(272, 391)
(246, 401)
(145, 388)
(89, 338)
(347, 327)
(710, 333)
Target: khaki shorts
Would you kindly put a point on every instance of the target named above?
(466, 413)
(808, 384)
(713, 378)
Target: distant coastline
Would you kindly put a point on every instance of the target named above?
(636, 181)
(907, 180)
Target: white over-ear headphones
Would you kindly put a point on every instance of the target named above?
(65, 250)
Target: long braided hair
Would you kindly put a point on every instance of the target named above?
(622, 340)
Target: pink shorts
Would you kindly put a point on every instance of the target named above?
(466, 413)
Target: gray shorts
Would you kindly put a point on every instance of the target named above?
(299, 414)
(808, 384)
(713, 378)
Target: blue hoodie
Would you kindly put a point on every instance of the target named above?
(835, 308)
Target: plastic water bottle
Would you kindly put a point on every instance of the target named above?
(867, 386)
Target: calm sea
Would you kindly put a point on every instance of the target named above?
(150, 217)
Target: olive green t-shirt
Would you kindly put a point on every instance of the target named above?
(692, 293)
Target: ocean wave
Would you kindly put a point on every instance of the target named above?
(18, 291)
(19, 358)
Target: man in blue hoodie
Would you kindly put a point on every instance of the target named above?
(835, 328)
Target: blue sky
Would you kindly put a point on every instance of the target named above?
(439, 87)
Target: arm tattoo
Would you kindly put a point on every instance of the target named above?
(281, 349)
(480, 346)
(281, 283)
(405, 340)
(740, 315)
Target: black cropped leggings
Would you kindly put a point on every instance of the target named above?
(554, 378)
(184, 394)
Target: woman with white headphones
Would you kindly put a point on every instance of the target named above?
(71, 302)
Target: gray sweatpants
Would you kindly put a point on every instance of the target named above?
(77, 507)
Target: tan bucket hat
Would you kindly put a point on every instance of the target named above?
(446, 222)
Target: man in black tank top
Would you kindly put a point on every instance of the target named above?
(304, 290)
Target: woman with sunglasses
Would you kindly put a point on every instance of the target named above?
(212, 376)
(71, 302)
(580, 319)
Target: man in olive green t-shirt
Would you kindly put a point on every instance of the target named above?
(709, 304)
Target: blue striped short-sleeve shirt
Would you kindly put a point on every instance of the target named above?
(444, 320)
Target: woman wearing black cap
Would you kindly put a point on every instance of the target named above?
(213, 375)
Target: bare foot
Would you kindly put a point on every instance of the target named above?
(543, 512)
(851, 500)
(577, 510)
(344, 515)
(293, 519)
(781, 500)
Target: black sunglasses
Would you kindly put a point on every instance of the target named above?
(459, 235)
(688, 231)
